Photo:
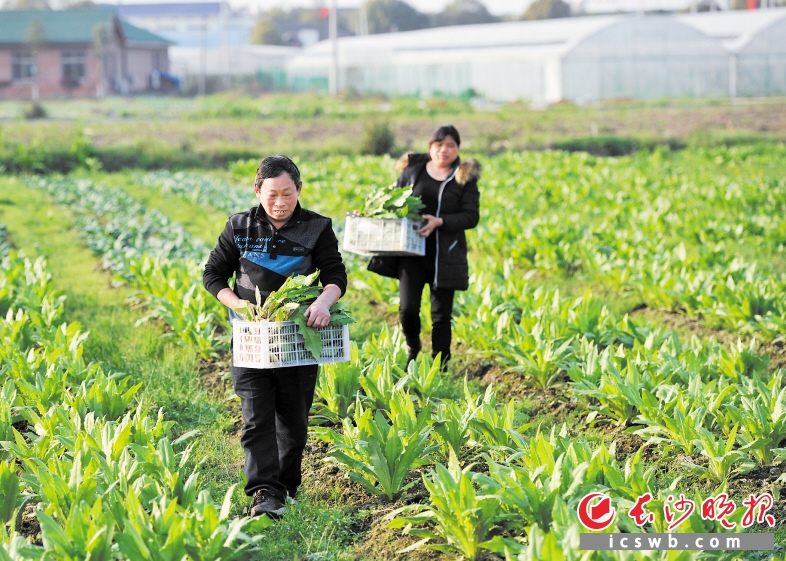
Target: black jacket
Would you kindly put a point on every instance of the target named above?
(260, 256)
(459, 204)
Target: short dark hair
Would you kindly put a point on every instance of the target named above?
(274, 166)
(443, 131)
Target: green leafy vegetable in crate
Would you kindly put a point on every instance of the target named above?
(290, 303)
(392, 202)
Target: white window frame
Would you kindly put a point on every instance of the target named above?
(22, 66)
(73, 59)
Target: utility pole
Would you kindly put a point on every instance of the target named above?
(99, 51)
(363, 17)
(733, 76)
(34, 71)
(35, 39)
(202, 57)
(333, 23)
(225, 10)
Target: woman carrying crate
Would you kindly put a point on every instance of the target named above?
(449, 189)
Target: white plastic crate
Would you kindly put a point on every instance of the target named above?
(274, 344)
(375, 236)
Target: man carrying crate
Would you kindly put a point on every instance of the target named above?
(261, 248)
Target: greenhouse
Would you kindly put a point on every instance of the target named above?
(756, 46)
(578, 59)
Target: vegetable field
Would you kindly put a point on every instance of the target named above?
(624, 333)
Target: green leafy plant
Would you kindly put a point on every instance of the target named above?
(337, 388)
(7, 414)
(619, 394)
(379, 381)
(169, 292)
(388, 343)
(108, 396)
(678, 428)
(453, 420)
(214, 535)
(544, 360)
(90, 464)
(379, 454)
(498, 431)
(458, 520)
(762, 416)
(9, 485)
(377, 289)
(723, 459)
(392, 202)
(290, 302)
(86, 533)
(425, 378)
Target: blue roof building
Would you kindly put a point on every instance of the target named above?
(207, 25)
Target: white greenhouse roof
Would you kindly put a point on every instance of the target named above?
(734, 28)
(540, 37)
(523, 40)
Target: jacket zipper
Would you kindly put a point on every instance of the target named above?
(436, 231)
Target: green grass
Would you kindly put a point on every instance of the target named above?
(211, 132)
(310, 531)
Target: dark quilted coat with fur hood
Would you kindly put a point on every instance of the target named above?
(459, 208)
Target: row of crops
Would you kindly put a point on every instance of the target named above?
(677, 232)
(108, 480)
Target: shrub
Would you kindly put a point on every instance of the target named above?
(35, 111)
(612, 145)
(604, 145)
(378, 139)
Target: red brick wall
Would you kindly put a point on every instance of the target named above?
(50, 76)
(139, 65)
(5, 68)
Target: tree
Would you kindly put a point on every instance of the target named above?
(35, 38)
(464, 12)
(268, 30)
(547, 9)
(29, 5)
(385, 16)
(265, 32)
(99, 47)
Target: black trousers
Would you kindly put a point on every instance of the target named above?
(275, 405)
(415, 273)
